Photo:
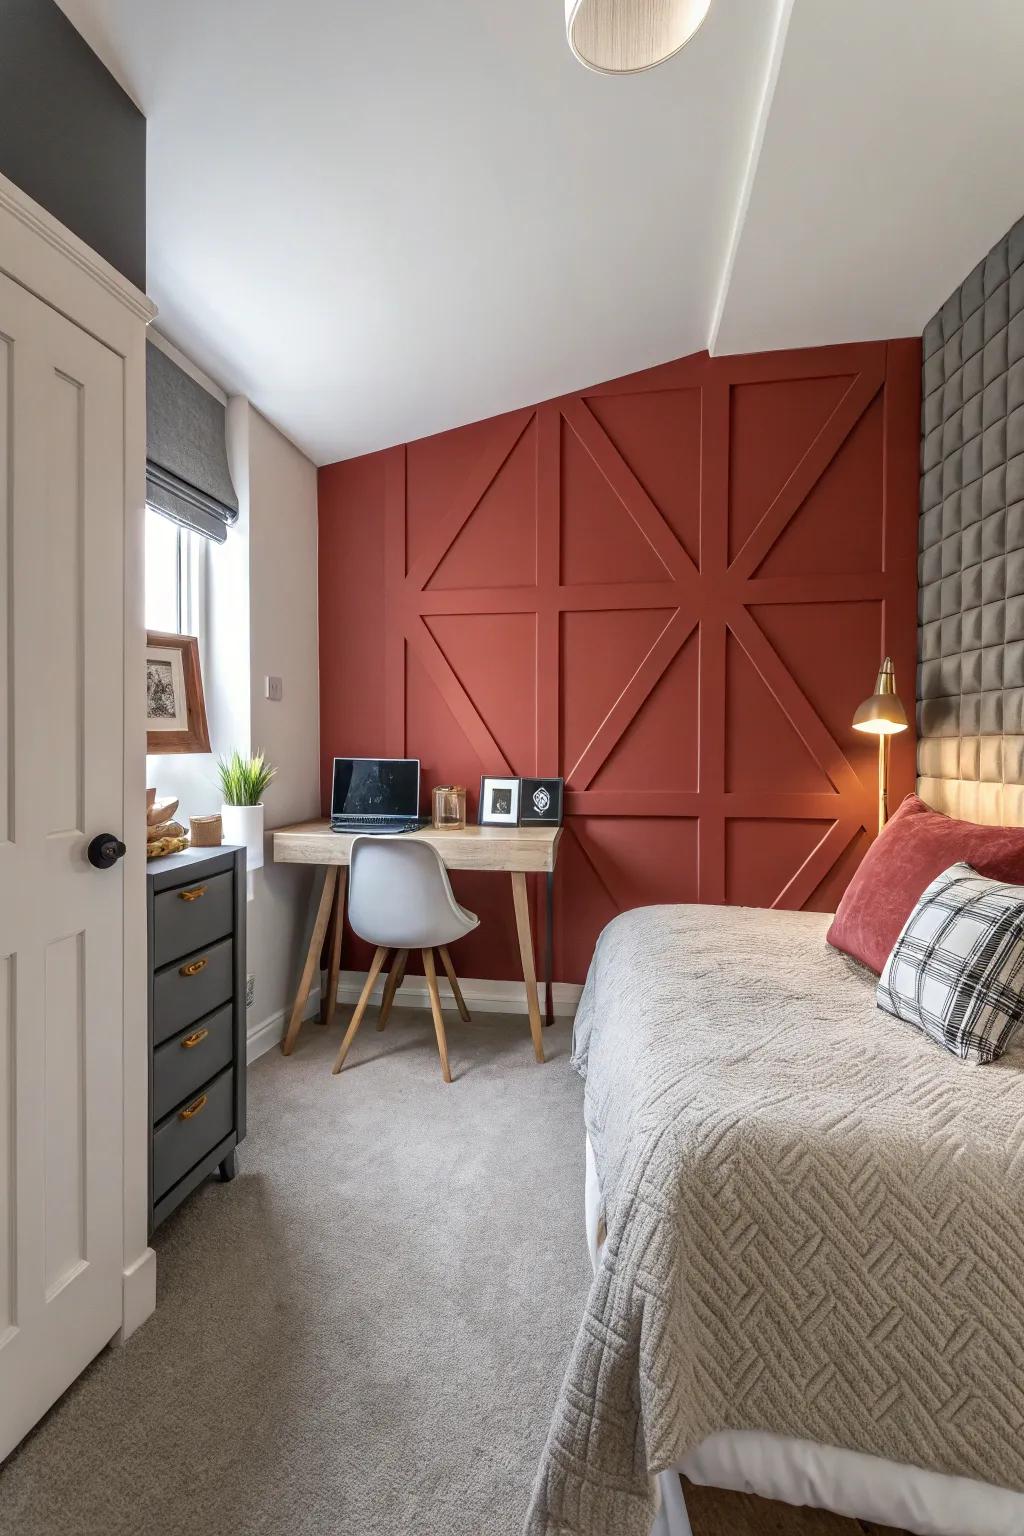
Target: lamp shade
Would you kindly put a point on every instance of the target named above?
(882, 714)
(618, 37)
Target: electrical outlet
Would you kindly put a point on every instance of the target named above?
(250, 990)
(275, 689)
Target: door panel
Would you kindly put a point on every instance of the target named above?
(61, 703)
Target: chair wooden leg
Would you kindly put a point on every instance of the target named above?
(379, 957)
(391, 986)
(453, 982)
(435, 1008)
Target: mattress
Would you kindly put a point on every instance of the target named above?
(826, 1477)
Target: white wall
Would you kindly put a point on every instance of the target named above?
(259, 618)
(283, 642)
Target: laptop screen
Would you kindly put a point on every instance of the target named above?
(376, 786)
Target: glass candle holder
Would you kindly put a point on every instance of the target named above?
(449, 807)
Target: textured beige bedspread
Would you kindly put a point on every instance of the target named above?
(815, 1219)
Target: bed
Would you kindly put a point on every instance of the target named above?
(807, 1227)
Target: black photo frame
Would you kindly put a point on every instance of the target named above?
(540, 802)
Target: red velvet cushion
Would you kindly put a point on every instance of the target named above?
(916, 845)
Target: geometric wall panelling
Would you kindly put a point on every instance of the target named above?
(840, 523)
(494, 657)
(850, 635)
(600, 543)
(659, 748)
(763, 749)
(670, 588)
(657, 434)
(601, 653)
(762, 855)
(772, 423)
(641, 860)
(497, 547)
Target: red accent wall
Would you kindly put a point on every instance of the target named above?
(674, 589)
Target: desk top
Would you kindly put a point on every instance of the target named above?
(513, 849)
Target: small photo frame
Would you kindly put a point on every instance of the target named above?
(175, 707)
(499, 802)
(540, 802)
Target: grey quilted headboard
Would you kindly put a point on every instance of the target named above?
(971, 571)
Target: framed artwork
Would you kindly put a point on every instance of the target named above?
(175, 707)
(540, 802)
(499, 803)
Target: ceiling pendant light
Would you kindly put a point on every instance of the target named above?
(620, 37)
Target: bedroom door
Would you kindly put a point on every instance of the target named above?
(62, 415)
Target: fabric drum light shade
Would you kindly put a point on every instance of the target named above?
(623, 36)
(187, 475)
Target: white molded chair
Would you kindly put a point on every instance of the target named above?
(400, 898)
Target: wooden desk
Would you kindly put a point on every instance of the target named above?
(517, 851)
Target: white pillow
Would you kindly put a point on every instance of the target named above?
(957, 968)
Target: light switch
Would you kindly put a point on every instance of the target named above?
(275, 689)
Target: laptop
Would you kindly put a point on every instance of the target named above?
(376, 794)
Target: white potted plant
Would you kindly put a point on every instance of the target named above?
(243, 781)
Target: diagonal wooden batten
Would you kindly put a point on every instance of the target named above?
(486, 470)
(629, 491)
(422, 643)
(598, 876)
(632, 698)
(788, 501)
(819, 863)
(797, 708)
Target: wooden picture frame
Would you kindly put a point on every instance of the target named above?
(175, 706)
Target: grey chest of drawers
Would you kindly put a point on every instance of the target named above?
(196, 907)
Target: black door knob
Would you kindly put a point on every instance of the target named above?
(105, 850)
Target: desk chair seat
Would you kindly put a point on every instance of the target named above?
(400, 898)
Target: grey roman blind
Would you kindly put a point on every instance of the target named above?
(187, 475)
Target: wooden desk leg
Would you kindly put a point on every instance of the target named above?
(549, 945)
(522, 907)
(325, 955)
(323, 912)
(330, 1002)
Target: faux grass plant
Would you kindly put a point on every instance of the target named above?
(243, 780)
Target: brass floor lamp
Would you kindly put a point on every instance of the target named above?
(882, 715)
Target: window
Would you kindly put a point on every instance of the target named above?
(174, 571)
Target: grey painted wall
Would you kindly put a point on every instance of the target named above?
(69, 136)
(971, 592)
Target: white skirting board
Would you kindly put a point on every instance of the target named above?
(482, 996)
(263, 1037)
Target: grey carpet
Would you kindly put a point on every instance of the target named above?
(364, 1334)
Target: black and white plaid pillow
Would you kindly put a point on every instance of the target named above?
(957, 968)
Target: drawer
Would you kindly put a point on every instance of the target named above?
(192, 916)
(190, 1059)
(193, 986)
(190, 1131)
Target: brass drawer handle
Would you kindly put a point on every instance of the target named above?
(192, 1109)
(195, 1039)
(192, 895)
(194, 968)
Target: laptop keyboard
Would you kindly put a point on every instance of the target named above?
(372, 824)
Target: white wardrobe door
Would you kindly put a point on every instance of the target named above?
(61, 723)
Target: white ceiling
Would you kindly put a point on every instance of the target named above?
(382, 218)
(891, 162)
